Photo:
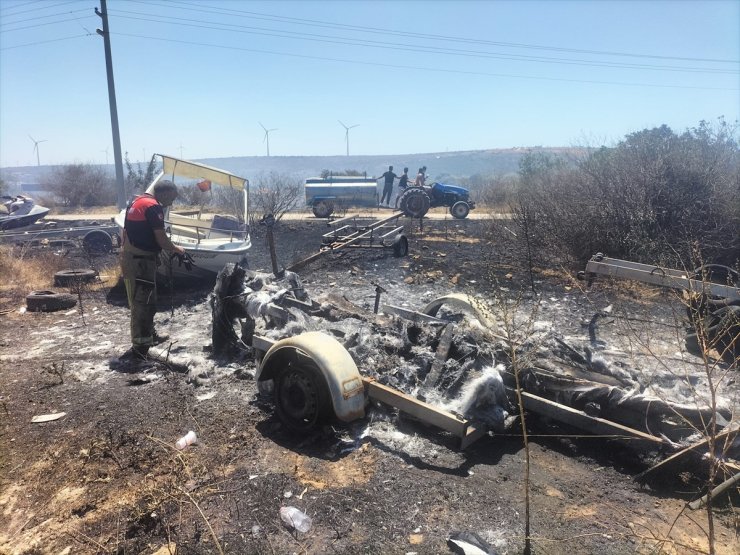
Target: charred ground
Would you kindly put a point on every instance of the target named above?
(106, 478)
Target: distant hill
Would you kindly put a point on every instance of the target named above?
(449, 164)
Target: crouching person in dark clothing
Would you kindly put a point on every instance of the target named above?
(143, 239)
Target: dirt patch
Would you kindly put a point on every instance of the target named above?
(106, 477)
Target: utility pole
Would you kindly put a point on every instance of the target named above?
(105, 33)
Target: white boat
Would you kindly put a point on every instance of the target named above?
(211, 239)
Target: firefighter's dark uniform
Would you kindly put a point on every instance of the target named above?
(139, 267)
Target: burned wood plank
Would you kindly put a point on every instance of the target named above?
(425, 412)
(724, 434)
(443, 351)
(592, 424)
(702, 501)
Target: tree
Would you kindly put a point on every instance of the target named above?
(81, 185)
(275, 194)
(138, 179)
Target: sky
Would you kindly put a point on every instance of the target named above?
(199, 79)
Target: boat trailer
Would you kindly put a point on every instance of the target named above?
(349, 232)
(94, 239)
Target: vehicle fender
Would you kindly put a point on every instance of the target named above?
(462, 302)
(340, 372)
(314, 200)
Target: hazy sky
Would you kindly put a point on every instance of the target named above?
(196, 77)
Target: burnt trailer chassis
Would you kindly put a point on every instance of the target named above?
(712, 295)
(312, 376)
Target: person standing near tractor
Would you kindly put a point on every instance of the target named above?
(143, 239)
(403, 182)
(389, 177)
(420, 178)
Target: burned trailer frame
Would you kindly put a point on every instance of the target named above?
(712, 305)
(313, 378)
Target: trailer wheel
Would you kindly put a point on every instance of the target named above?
(49, 301)
(323, 209)
(73, 277)
(414, 202)
(460, 210)
(97, 242)
(722, 334)
(301, 398)
(699, 305)
(400, 246)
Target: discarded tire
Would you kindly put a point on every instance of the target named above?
(73, 277)
(49, 301)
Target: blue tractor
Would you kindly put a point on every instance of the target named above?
(416, 201)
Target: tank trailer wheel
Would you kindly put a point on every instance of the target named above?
(323, 209)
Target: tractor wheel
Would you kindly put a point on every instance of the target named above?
(460, 210)
(301, 397)
(323, 209)
(414, 202)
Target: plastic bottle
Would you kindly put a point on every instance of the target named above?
(295, 518)
(187, 439)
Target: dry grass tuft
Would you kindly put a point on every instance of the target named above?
(22, 272)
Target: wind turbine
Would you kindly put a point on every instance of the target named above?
(267, 136)
(346, 133)
(106, 155)
(36, 149)
(181, 149)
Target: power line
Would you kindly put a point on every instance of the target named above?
(44, 42)
(399, 66)
(375, 30)
(39, 8)
(43, 17)
(214, 25)
(43, 24)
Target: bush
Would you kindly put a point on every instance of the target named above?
(81, 185)
(656, 197)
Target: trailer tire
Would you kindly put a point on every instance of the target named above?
(74, 277)
(414, 202)
(323, 209)
(460, 210)
(97, 242)
(301, 397)
(699, 305)
(400, 246)
(49, 301)
(722, 334)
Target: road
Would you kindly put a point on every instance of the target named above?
(434, 214)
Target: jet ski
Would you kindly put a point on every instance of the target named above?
(21, 212)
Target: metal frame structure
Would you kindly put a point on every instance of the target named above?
(380, 234)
